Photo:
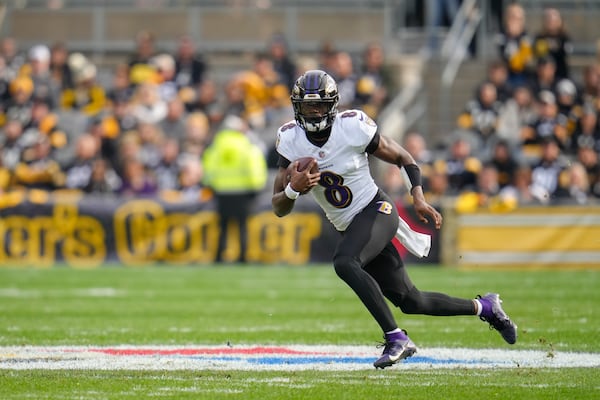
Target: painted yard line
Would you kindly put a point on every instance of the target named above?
(292, 357)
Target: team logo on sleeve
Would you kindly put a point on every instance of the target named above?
(384, 207)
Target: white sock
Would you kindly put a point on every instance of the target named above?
(394, 331)
(478, 307)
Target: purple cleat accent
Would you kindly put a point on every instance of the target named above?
(395, 351)
(494, 315)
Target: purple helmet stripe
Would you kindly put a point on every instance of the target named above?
(312, 83)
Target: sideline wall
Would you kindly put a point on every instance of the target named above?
(558, 236)
(41, 229)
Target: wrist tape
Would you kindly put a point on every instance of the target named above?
(291, 193)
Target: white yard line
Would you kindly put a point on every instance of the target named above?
(288, 357)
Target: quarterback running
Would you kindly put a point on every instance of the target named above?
(367, 219)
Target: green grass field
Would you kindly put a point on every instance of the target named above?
(557, 311)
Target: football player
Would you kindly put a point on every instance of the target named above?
(366, 217)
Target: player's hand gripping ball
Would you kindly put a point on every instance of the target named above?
(303, 163)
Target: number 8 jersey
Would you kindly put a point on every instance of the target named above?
(346, 185)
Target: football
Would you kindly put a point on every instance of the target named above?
(304, 162)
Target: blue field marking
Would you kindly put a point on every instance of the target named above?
(284, 360)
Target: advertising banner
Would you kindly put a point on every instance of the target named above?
(40, 229)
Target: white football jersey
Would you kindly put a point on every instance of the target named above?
(346, 185)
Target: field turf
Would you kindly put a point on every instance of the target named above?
(556, 310)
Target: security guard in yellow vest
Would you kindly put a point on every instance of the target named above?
(236, 170)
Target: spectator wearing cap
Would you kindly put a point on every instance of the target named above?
(569, 105)
(165, 75)
(19, 104)
(567, 93)
(87, 95)
(37, 169)
(44, 86)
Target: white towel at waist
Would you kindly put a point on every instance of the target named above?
(417, 243)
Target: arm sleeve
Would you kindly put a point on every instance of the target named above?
(372, 146)
(283, 162)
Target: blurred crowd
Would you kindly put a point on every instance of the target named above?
(530, 134)
(144, 131)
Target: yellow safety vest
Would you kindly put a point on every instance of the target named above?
(232, 163)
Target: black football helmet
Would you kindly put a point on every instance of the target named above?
(315, 99)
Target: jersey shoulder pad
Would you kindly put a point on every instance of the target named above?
(287, 127)
(286, 135)
(358, 127)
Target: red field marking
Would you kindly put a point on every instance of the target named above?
(202, 351)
